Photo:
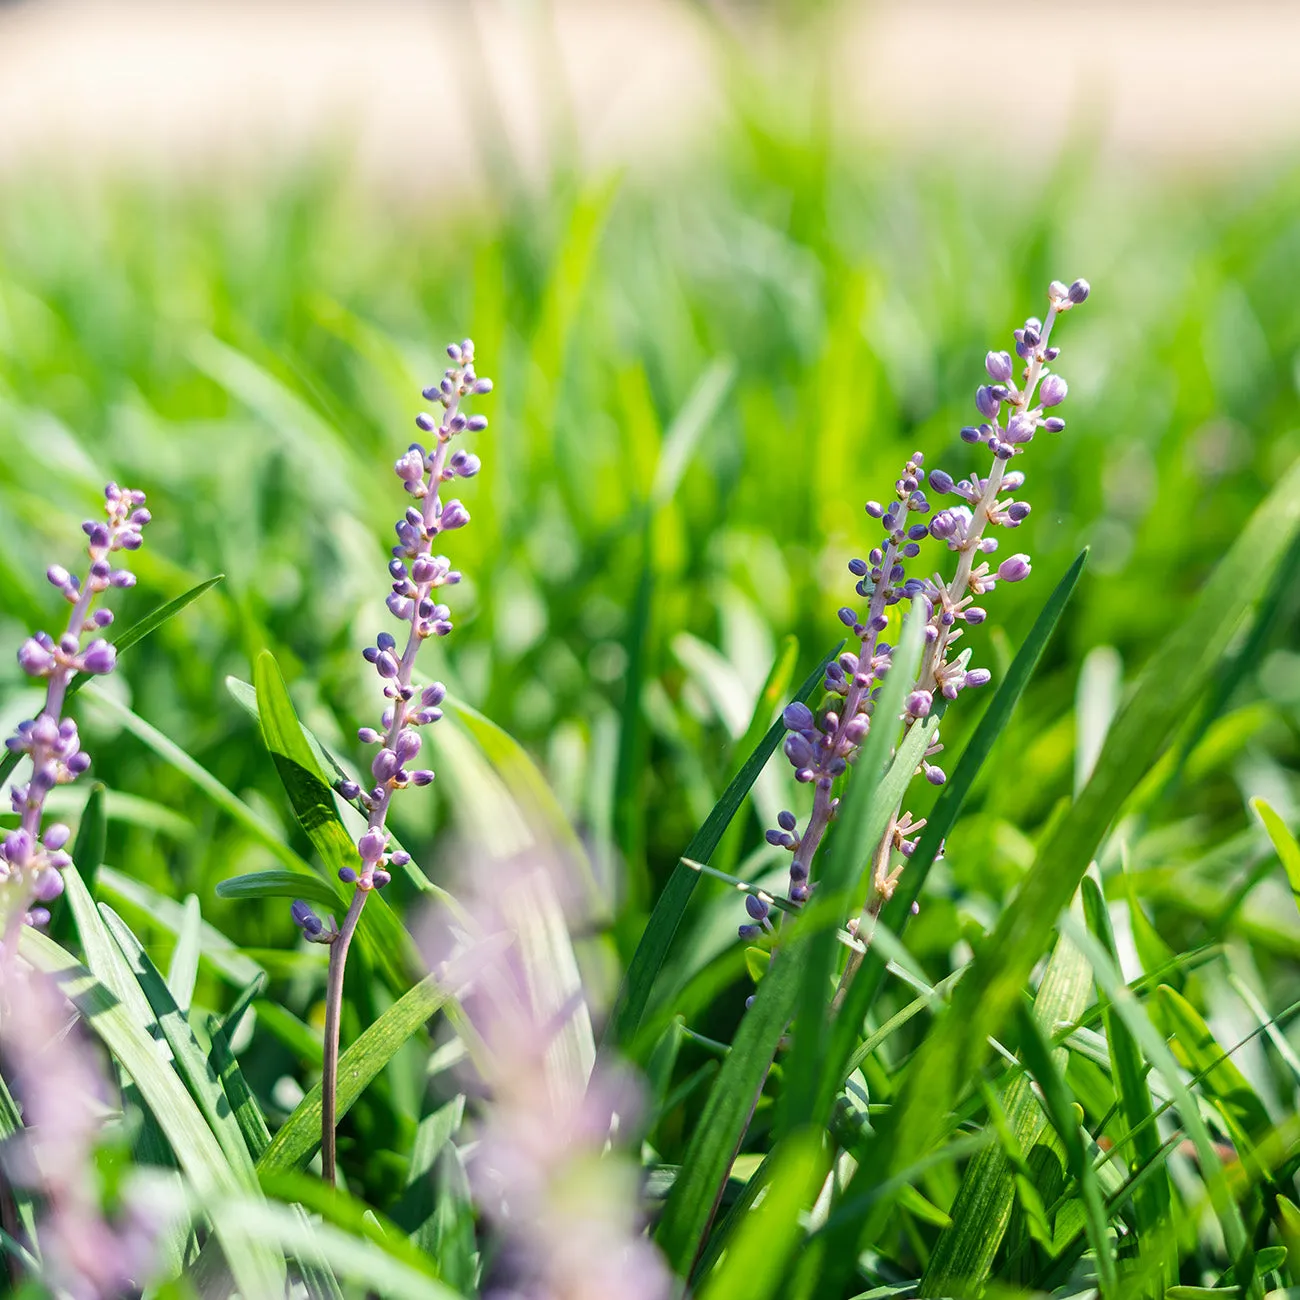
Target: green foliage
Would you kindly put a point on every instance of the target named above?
(697, 386)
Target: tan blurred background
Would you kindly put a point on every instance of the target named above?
(100, 83)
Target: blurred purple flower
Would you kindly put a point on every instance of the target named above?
(87, 1253)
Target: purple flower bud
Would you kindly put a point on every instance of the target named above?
(78, 763)
(941, 482)
(968, 434)
(367, 736)
(858, 568)
(798, 750)
(847, 616)
(454, 515)
(35, 659)
(998, 364)
(371, 845)
(756, 907)
(349, 790)
(935, 775)
(1053, 391)
(975, 614)
(786, 820)
(1079, 291)
(410, 468)
(100, 658)
(464, 464)
(749, 932)
(56, 836)
(1015, 568)
(424, 420)
(875, 509)
(1020, 428)
(348, 875)
(408, 745)
(986, 403)
(798, 716)
(17, 848)
(919, 703)
(386, 665)
(422, 777)
(1018, 510)
(122, 578)
(47, 885)
(58, 576)
(978, 677)
(1053, 424)
(301, 912)
(477, 423)
(385, 765)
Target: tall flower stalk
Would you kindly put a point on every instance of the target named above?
(821, 748)
(417, 574)
(32, 859)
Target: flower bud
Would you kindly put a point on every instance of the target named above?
(1015, 568)
(1053, 391)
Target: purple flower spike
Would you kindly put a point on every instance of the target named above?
(30, 862)
(822, 749)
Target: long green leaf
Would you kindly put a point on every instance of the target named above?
(772, 1231)
(299, 1137)
(1288, 850)
(1152, 1200)
(652, 951)
(184, 968)
(721, 1125)
(964, 1253)
(190, 1061)
(283, 884)
(256, 1270)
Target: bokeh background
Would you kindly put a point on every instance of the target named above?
(728, 266)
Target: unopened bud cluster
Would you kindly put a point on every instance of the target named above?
(417, 573)
(821, 746)
(32, 860)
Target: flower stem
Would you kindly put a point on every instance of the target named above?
(333, 1012)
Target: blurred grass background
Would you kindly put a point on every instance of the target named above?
(767, 328)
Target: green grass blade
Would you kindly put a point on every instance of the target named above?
(184, 968)
(1152, 1200)
(1196, 1048)
(772, 1232)
(358, 1259)
(721, 1126)
(652, 951)
(898, 911)
(221, 1058)
(1037, 1052)
(283, 884)
(299, 1136)
(255, 1267)
(190, 1061)
(1288, 850)
(964, 1253)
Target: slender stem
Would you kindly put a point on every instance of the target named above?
(333, 1014)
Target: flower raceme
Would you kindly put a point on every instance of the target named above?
(821, 747)
(418, 574)
(32, 859)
